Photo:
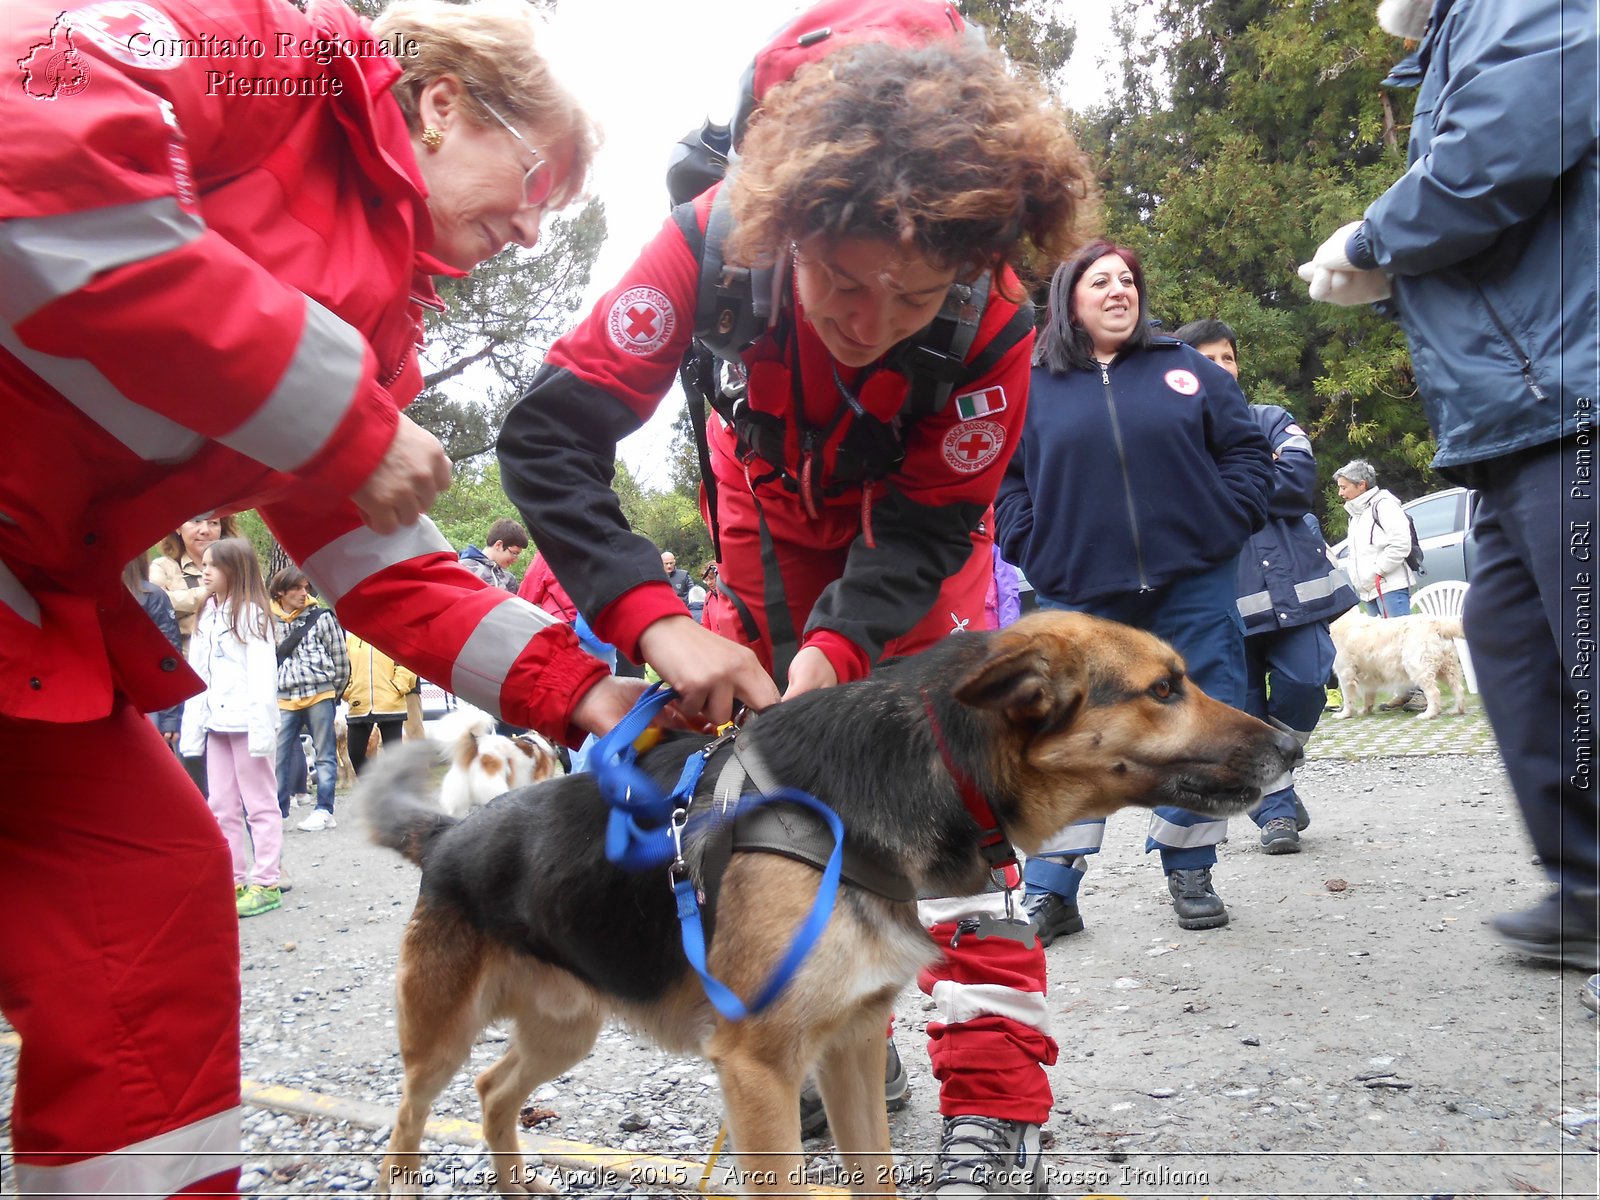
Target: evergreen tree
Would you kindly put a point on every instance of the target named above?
(1245, 132)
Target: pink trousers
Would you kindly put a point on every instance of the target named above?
(244, 790)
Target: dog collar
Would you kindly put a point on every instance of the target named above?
(993, 844)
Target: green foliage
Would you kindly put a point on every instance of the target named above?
(1030, 32)
(497, 325)
(1243, 134)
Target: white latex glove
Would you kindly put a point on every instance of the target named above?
(1334, 281)
(1346, 287)
(1331, 253)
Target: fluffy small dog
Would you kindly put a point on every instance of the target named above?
(485, 764)
(1396, 653)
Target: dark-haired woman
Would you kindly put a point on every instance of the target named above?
(1140, 475)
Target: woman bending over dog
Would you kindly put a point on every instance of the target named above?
(881, 186)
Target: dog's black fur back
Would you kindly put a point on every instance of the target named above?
(530, 868)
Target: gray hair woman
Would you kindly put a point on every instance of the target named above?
(1379, 541)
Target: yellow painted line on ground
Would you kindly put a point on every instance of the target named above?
(644, 1170)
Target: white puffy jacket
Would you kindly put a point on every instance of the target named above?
(241, 681)
(1379, 540)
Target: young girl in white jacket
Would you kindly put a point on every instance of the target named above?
(235, 721)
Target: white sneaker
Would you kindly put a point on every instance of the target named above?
(299, 800)
(319, 820)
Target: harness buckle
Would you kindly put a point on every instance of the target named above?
(679, 869)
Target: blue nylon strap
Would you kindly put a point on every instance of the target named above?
(694, 943)
(639, 836)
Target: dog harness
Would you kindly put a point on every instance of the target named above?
(646, 829)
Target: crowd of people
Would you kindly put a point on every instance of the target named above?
(183, 340)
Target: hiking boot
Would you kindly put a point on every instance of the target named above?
(1562, 928)
(986, 1156)
(1194, 899)
(813, 1120)
(1413, 700)
(1302, 819)
(1589, 997)
(1280, 836)
(1052, 915)
(258, 899)
(319, 820)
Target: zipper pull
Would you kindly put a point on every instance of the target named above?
(1527, 378)
(1105, 375)
(866, 515)
(808, 454)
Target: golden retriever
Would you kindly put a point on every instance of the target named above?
(1396, 654)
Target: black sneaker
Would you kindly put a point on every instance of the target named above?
(986, 1156)
(1052, 915)
(1280, 836)
(814, 1119)
(1194, 899)
(1302, 819)
(1563, 928)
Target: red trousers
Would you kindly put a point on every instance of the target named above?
(992, 1043)
(119, 964)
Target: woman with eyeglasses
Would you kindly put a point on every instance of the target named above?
(218, 225)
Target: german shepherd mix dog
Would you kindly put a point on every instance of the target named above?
(1059, 717)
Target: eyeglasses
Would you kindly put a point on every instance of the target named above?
(539, 181)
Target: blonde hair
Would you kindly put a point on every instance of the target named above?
(937, 148)
(492, 47)
(172, 545)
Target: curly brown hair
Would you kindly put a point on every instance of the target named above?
(938, 148)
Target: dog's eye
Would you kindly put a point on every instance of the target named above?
(1162, 689)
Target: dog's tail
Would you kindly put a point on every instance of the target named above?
(397, 795)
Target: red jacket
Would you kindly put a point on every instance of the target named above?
(213, 301)
(603, 380)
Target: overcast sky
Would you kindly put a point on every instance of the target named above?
(651, 70)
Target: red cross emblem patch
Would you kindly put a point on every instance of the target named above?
(972, 445)
(641, 321)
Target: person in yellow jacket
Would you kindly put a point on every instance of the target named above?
(376, 695)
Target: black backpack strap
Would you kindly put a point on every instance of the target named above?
(302, 626)
(698, 375)
(936, 359)
(1019, 326)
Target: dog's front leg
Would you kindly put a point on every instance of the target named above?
(850, 1078)
(761, 1090)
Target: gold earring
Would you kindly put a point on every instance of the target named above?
(432, 138)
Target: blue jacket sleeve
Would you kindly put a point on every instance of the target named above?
(1294, 470)
(1515, 113)
(1013, 510)
(1241, 451)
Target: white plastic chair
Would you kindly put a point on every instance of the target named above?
(1446, 599)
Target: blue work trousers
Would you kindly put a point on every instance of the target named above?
(1531, 625)
(1198, 616)
(1287, 686)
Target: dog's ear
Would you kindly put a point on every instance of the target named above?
(526, 745)
(1019, 678)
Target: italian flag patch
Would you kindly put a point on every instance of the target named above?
(981, 404)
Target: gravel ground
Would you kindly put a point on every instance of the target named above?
(1355, 1031)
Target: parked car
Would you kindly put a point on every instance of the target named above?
(1444, 530)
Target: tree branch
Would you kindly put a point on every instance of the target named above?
(461, 364)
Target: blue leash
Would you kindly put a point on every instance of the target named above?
(644, 829)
